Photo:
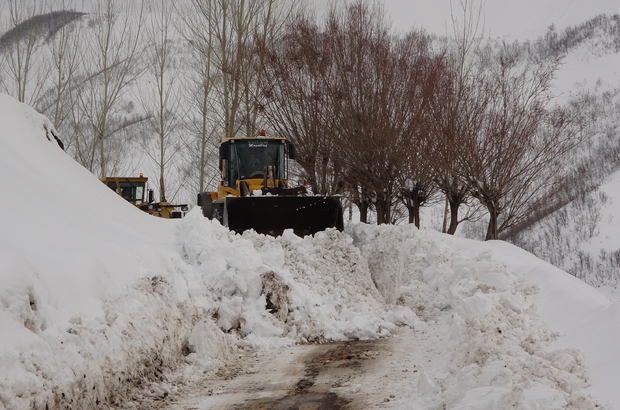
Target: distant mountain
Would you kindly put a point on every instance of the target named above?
(523, 19)
(580, 235)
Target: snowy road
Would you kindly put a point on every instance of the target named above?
(343, 375)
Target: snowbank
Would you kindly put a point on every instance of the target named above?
(279, 291)
(499, 352)
(82, 288)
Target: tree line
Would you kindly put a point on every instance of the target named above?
(389, 121)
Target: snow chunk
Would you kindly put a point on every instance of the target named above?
(208, 345)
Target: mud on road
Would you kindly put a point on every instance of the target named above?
(375, 374)
(300, 377)
(328, 368)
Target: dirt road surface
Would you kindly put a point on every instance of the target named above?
(375, 374)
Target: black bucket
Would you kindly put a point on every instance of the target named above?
(272, 215)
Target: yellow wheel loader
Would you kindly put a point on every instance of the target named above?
(135, 190)
(254, 191)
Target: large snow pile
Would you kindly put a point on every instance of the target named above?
(97, 298)
(78, 308)
(498, 352)
(276, 291)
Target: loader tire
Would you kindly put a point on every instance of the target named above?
(207, 204)
(218, 212)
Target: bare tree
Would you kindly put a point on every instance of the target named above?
(67, 60)
(162, 101)
(457, 112)
(352, 97)
(518, 153)
(296, 102)
(457, 109)
(239, 32)
(418, 72)
(360, 42)
(203, 119)
(415, 184)
(378, 94)
(113, 62)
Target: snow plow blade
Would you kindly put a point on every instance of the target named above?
(271, 215)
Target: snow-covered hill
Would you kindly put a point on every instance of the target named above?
(580, 237)
(522, 20)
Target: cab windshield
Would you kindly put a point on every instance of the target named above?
(249, 159)
(131, 191)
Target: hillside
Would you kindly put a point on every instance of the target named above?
(578, 236)
(525, 20)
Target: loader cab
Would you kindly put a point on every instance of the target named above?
(248, 158)
(132, 189)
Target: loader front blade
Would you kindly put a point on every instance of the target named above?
(271, 215)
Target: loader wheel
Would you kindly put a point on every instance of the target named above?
(207, 204)
(218, 212)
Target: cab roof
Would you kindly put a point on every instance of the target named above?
(263, 138)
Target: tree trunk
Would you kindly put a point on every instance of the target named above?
(414, 212)
(162, 189)
(364, 205)
(411, 217)
(383, 209)
(454, 216)
(492, 228)
(444, 227)
(417, 204)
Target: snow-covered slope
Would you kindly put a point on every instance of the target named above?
(69, 249)
(97, 298)
(580, 237)
(59, 221)
(583, 318)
